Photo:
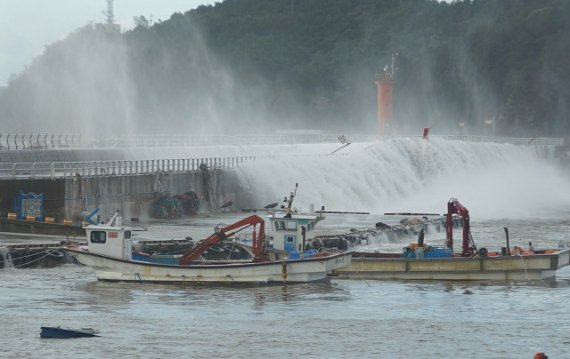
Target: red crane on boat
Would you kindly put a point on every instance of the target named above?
(454, 207)
(224, 233)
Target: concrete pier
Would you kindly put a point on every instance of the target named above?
(133, 195)
(71, 198)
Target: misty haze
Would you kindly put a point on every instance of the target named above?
(233, 68)
(290, 178)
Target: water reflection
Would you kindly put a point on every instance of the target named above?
(107, 293)
(101, 293)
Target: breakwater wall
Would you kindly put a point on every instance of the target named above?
(75, 179)
(134, 194)
(72, 197)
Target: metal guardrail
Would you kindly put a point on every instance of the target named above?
(246, 139)
(217, 140)
(137, 167)
(117, 168)
(26, 141)
(529, 141)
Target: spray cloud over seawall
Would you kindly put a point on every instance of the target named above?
(102, 83)
(408, 175)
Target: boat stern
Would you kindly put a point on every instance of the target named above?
(339, 260)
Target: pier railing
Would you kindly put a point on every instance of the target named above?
(35, 141)
(27, 141)
(137, 167)
(117, 168)
(526, 141)
(247, 139)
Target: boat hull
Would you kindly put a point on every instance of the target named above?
(501, 268)
(287, 271)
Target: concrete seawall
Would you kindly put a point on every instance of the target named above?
(77, 180)
(132, 195)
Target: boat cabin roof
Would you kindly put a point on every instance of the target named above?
(282, 215)
(280, 222)
(103, 227)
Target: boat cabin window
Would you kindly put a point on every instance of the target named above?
(285, 225)
(98, 237)
(127, 234)
(291, 225)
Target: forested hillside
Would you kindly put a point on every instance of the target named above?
(258, 65)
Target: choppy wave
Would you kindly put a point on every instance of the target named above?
(413, 175)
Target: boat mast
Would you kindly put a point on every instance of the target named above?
(290, 201)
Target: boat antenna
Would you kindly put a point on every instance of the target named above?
(112, 220)
(290, 201)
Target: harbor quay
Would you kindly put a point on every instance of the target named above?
(63, 188)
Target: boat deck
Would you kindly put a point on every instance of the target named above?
(538, 266)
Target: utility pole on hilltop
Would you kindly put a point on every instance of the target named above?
(109, 24)
(110, 18)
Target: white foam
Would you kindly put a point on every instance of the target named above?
(413, 175)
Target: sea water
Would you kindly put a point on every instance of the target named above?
(335, 319)
(503, 186)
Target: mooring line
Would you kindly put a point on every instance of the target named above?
(524, 266)
(48, 252)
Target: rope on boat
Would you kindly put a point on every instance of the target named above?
(233, 246)
(524, 266)
(48, 253)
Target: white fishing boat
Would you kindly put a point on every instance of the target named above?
(110, 253)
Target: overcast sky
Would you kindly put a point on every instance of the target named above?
(26, 26)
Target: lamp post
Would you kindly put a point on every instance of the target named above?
(463, 128)
(489, 122)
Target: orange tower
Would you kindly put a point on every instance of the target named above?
(384, 88)
(384, 84)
